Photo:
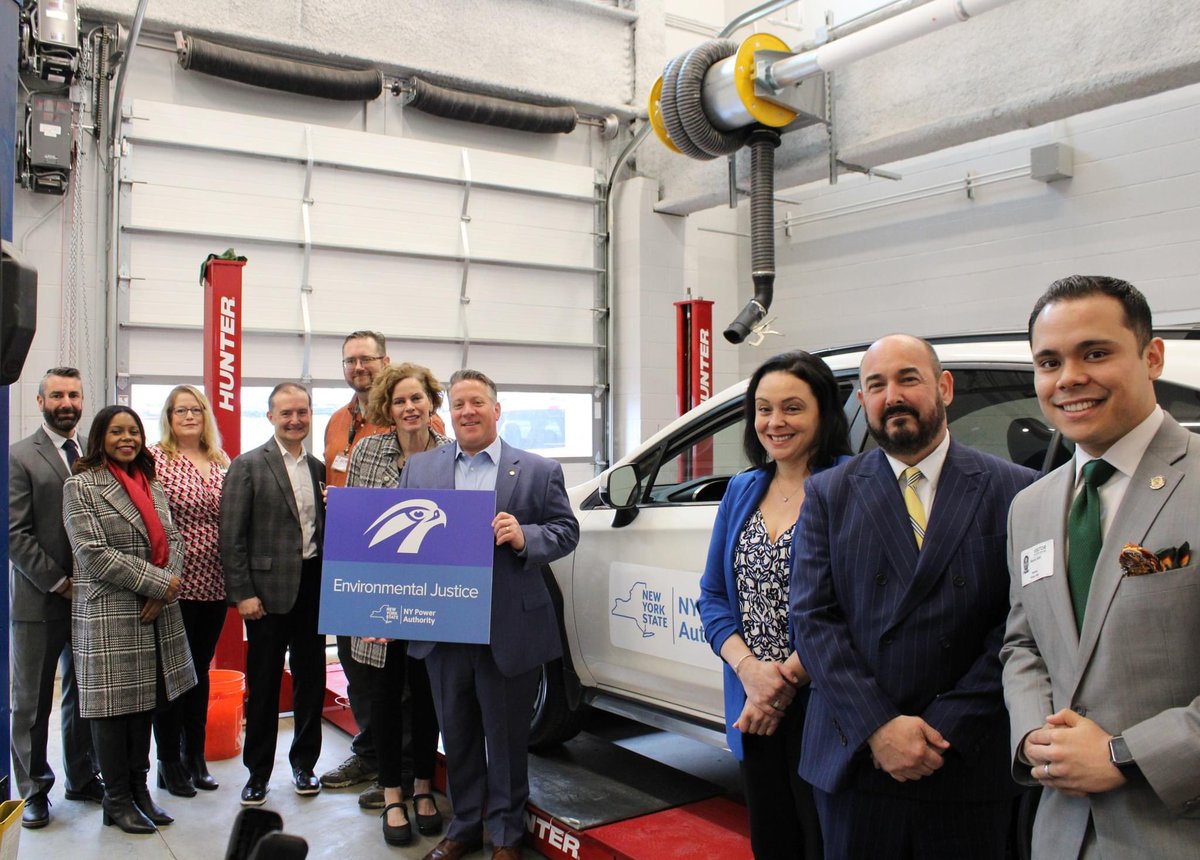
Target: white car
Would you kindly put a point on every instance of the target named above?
(633, 639)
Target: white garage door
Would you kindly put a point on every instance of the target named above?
(459, 256)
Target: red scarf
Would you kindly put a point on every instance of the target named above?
(137, 486)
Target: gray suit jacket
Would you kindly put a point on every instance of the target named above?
(262, 546)
(524, 626)
(41, 555)
(116, 666)
(1135, 666)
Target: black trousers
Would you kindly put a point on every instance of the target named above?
(122, 747)
(864, 825)
(122, 744)
(179, 727)
(357, 692)
(267, 641)
(386, 688)
(783, 814)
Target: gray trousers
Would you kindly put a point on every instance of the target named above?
(39, 648)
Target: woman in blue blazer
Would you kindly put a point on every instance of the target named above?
(795, 427)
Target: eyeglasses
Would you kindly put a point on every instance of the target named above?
(363, 360)
(185, 411)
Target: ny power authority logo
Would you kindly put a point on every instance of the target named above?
(654, 610)
(408, 564)
(416, 517)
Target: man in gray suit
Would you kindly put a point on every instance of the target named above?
(40, 589)
(484, 693)
(272, 527)
(1101, 665)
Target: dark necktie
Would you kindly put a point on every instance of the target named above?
(72, 452)
(1085, 535)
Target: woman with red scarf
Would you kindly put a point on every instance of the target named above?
(131, 653)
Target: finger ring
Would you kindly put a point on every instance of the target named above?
(775, 704)
(1046, 768)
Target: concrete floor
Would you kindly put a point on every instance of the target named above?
(331, 822)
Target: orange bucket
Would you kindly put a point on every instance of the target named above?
(226, 713)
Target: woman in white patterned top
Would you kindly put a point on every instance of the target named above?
(191, 467)
(795, 426)
(404, 396)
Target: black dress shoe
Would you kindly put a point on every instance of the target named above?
(201, 778)
(37, 812)
(305, 781)
(429, 825)
(123, 812)
(93, 791)
(255, 792)
(174, 777)
(401, 835)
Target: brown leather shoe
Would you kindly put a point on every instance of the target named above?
(506, 852)
(448, 849)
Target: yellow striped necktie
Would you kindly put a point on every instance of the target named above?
(912, 502)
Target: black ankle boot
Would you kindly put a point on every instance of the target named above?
(174, 777)
(201, 778)
(121, 811)
(150, 809)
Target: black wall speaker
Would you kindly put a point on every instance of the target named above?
(18, 313)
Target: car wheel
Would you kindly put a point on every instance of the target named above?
(553, 721)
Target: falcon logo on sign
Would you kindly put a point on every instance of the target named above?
(416, 517)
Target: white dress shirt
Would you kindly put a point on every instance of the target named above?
(57, 439)
(302, 489)
(1125, 456)
(931, 470)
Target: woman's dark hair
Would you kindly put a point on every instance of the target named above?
(833, 431)
(95, 458)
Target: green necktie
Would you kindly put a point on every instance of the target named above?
(1085, 535)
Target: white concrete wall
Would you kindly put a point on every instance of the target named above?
(659, 258)
(950, 264)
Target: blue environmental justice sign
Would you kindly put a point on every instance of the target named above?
(408, 564)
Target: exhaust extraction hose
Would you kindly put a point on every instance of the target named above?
(763, 142)
(291, 76)
(682, 109)
(489, 110)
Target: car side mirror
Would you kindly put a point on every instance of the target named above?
(620, 487)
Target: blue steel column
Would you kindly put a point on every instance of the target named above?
(8, 119)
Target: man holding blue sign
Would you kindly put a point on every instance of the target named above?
(484, 692)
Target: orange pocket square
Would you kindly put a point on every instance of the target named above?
(1138, 561)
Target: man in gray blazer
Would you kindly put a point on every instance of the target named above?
(483, 693)
(40, 589)
(1101, 664)
(272, 527)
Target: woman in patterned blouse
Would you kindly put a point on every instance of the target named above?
(404, 396)
(795, 426)
(191, 466)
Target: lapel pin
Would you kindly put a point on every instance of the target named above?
(1158, 482)
(512, 472)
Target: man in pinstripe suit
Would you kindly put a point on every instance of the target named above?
(899, 598)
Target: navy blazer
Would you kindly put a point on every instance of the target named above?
(524, 631)
(885, 629)
(720, 606)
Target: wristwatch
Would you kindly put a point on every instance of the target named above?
(1118, 753)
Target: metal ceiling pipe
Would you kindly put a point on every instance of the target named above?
(888, 33)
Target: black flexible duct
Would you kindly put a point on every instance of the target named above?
(277, 74)
(488, 110)
(682, 110)
(762, 232)
(688, 94)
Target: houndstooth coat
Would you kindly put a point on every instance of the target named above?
(115, 663)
